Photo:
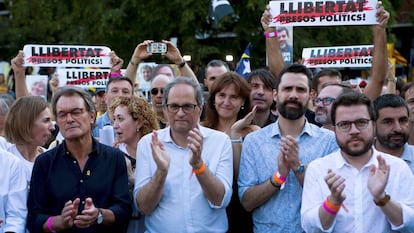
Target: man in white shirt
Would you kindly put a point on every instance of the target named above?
(184, 172)
(357, 189)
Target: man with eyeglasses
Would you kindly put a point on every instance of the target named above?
(157, 89)
(357, 188)
(184, 172)
(323, 103)
(80, 185)
(393, 128)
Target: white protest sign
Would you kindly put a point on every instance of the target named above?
(345, 56)
(85, 78)
(323, 13)
(67, 56)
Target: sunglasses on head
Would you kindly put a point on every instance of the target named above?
(154, 91)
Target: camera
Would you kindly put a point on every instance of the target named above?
(157, 47)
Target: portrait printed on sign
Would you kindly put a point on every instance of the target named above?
(37, 85)
(144, 76)
(285, 36)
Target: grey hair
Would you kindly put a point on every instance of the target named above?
(183, 80)
(71, 91)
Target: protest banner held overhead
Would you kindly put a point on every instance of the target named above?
(344, 56)
(323, 13)
(67, 56)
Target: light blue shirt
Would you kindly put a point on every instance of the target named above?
(183, 206)
(281, 213)
(408, 156)
(101, 121)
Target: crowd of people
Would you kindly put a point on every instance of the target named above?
(283, 150)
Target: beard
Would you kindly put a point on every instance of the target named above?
(322, 118)
(387, 141)
(367, 145)
(289, 112)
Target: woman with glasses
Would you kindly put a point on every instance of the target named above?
(132, 119)
(229, 110)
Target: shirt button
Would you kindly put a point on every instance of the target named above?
(74, 161)
(83, 202)
(81, 181)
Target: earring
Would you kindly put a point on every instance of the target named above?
(242, 107)
(137, 130)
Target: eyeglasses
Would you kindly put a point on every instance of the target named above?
(346, 125)
(75, 113)
(154, 91)
(187, 108)
(325, 101)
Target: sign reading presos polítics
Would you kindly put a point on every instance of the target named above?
(345, 56)
(83, 77)
(323, 13)
(66, 56)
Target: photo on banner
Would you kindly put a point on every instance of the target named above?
(37, 85)
(144, 76)
(285, 36)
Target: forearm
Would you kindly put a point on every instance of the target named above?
(274, 56)
(393, 212)
(108, 216)
(20, 84)
(379, 64)
(326, 218)
(131, 70)
(258, 194)
(212, 187)
(150, 195)
(237, 148)
(186, 71)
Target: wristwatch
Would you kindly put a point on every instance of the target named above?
(300, 169)
(100, 218)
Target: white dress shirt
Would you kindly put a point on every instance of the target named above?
(362, 214)
(13, 194)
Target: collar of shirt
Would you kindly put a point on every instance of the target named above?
(307, 129)
(341, 162)
(408, 153)
(94, 152)
(165, 136)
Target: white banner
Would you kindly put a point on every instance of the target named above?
(323, 13)
(345, 56)
(83, 77)
(67, 56)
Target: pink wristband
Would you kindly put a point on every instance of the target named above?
(115, 74)
(49, 224)
(270, 34)
(327, 209)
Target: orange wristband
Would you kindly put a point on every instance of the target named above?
(332, 206)
(201, 169)
(278, 178)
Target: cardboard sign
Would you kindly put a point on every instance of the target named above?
(323, 13)
(67, 56)
(345, 56)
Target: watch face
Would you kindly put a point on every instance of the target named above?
(100, 218)
(301, 168)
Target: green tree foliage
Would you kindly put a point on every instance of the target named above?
(121, 25)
